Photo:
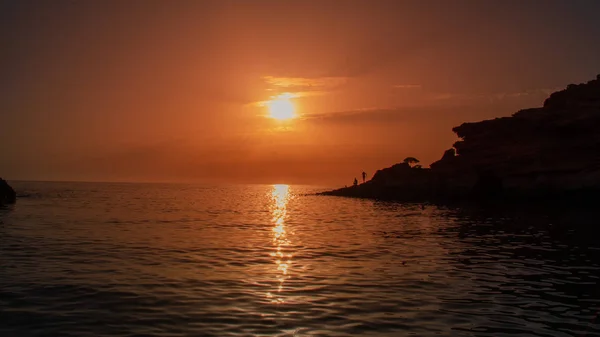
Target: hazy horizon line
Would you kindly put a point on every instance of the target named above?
(163, 182)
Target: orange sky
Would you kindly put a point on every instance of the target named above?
(169, 90)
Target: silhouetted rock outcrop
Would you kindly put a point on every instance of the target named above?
(398, 182)
(544, 151)
(7, 194)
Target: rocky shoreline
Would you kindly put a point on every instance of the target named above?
(551, 152)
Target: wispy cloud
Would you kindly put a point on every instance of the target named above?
(302, 82)
(366, 115)
(303, 86)
(281, 97)
(295, 87)
(407, 86)
(380, 115)
(454, 96)
(498, 96)
(532, 92)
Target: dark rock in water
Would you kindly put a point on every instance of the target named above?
(7, 194)
(540, 152)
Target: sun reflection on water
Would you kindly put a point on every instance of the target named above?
(280, 196)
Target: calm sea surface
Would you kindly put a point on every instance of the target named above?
(80, 259)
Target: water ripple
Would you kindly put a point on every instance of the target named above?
(185, 260)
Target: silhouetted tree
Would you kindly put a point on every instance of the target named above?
(417, 166)
(410, 161)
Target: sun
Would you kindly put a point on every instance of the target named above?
(281, 107)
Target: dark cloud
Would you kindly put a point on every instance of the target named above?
(453, 111)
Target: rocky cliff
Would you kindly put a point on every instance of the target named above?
(549, 150)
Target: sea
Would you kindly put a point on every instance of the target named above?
(125, 259)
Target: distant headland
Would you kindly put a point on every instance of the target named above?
(7, 194)
(547, 152)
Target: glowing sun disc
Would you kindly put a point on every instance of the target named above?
(281, 108)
